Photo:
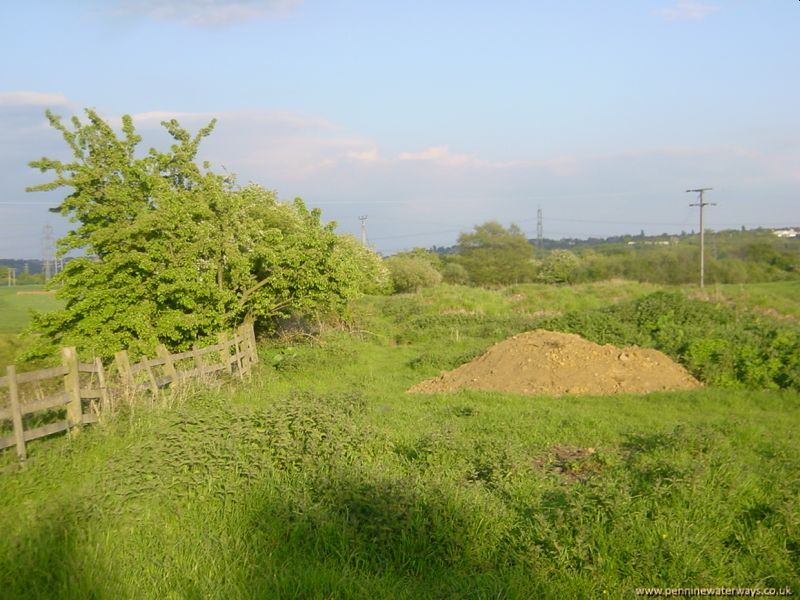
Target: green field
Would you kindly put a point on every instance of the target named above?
(16, 303)
(321, 478)
(779, 298)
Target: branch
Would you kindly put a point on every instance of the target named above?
(252, 290)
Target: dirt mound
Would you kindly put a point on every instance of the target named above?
(547, 362)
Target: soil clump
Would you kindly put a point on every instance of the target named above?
(552, 363)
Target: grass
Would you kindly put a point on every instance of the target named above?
(531, 298)
(322, 479)
(17, 302)
(778, 298)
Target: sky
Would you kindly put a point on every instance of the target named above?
(428, 117)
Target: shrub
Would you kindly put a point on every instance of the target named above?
(717, 344)
(410, 273)
(560, 266)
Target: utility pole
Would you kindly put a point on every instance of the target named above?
(702, 204)
(363, 219)
(539, 229)
(48, 252)
(12, 276)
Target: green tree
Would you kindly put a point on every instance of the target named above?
(494, 255)
(411, 273)
(560, 266)
(455, 273)
(174, 253)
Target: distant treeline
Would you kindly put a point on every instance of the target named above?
(494, 255)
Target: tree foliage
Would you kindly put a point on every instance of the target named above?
(174, 253)
(492, 255)
(559, 266)
(412, 272)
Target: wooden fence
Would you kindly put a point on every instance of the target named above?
(87, 390)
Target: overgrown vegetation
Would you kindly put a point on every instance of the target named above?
(324, 479)
(718, 344)
(174, 253)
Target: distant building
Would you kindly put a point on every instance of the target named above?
(654, 242)
(789, 232)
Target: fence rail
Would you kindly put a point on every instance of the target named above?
(88, 389)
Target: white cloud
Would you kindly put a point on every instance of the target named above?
(207, 13)
(441, 155)
(369, 156)
(687, 10)
(275, 120)
(271, 144)
(26, 98)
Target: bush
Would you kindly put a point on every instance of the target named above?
(494, 255)
(560, 266)
(455, 273)
(411, 273)
(717, 344)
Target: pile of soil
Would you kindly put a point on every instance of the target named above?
(552, 363)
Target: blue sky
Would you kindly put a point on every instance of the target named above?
(430, 117)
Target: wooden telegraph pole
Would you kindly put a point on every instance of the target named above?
(702, 205)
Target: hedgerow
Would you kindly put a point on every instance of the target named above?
(718, 344)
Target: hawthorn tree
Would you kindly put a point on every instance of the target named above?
(171, 252)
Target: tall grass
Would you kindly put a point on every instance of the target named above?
(778, 298)
(323, 479)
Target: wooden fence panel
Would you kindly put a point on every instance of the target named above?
(238, 349)
(42, 374)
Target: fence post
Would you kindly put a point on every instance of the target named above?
(124, 368)
(150, 376)
(198, 361)
(169, 364)
(225, 352)
(16, 412)
(72, 386)
(250, 330)
(101, 381)
(239, 347)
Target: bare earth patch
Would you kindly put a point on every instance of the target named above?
(552, 363)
